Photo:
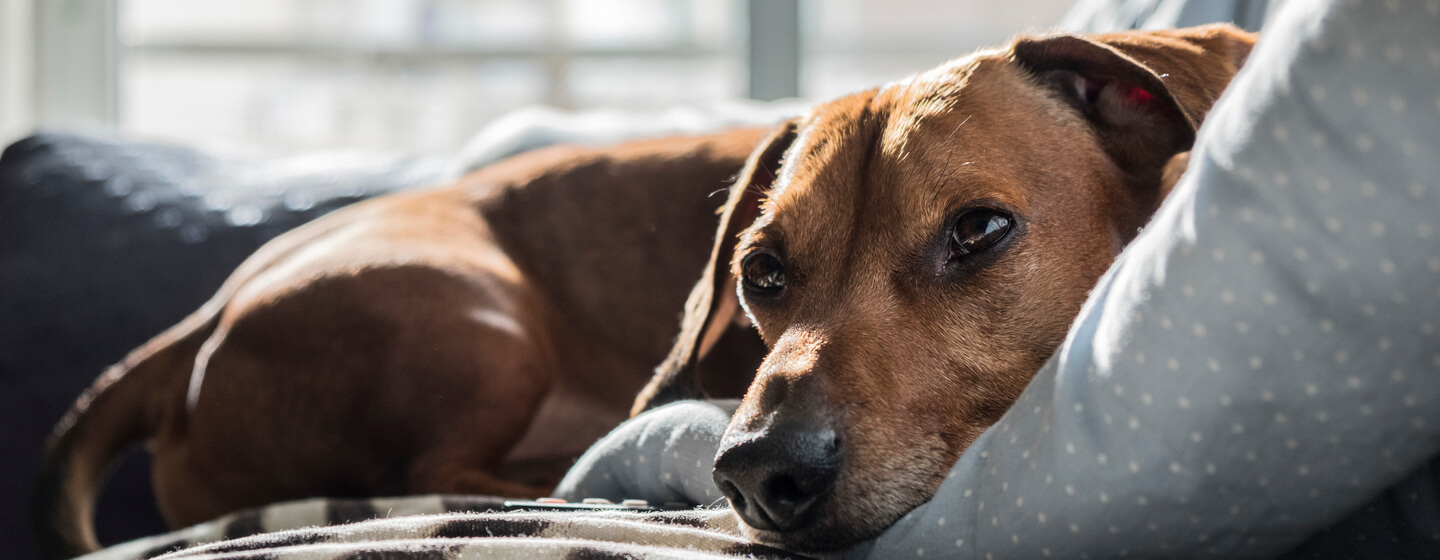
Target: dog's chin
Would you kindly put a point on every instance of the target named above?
(846, 523)
(810, 540)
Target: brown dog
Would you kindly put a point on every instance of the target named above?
(406, 344)
(917, 254)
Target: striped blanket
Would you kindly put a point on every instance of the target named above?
(446, 527)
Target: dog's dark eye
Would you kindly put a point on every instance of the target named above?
(762, 272)
(977, 230)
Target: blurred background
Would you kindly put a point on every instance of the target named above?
(426, 74)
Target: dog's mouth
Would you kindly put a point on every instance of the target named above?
(796, 511)
(824, 534)
(837, 520)
(875, 486)
(815, 538)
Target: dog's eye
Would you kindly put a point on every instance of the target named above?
(977, 230)
(762, 272)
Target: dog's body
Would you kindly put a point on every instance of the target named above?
(913, 254)
(406, 344)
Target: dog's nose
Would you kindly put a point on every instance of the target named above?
(778, 481)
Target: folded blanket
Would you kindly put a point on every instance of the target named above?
(425, 527)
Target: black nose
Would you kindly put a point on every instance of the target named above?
(779, 480)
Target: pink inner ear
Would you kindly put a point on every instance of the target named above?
(1136, 95)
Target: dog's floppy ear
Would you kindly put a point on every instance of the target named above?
(713, 303)
(1145, 92)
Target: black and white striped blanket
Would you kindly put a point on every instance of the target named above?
(446, 527)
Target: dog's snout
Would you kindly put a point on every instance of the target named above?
(780, 480)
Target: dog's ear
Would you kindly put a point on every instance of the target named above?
(1145, 92)
(713, 304)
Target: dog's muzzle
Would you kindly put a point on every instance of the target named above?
(779, 479)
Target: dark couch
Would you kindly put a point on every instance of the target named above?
(105, 243)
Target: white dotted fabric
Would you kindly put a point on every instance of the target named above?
(1260, 371)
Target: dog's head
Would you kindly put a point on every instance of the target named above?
(912, 255)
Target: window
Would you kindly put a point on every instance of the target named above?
(421, 74)
(851, 45)
(426, 74)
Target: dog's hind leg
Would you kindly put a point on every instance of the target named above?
(384, 381)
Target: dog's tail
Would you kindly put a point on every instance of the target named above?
(124, 406)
